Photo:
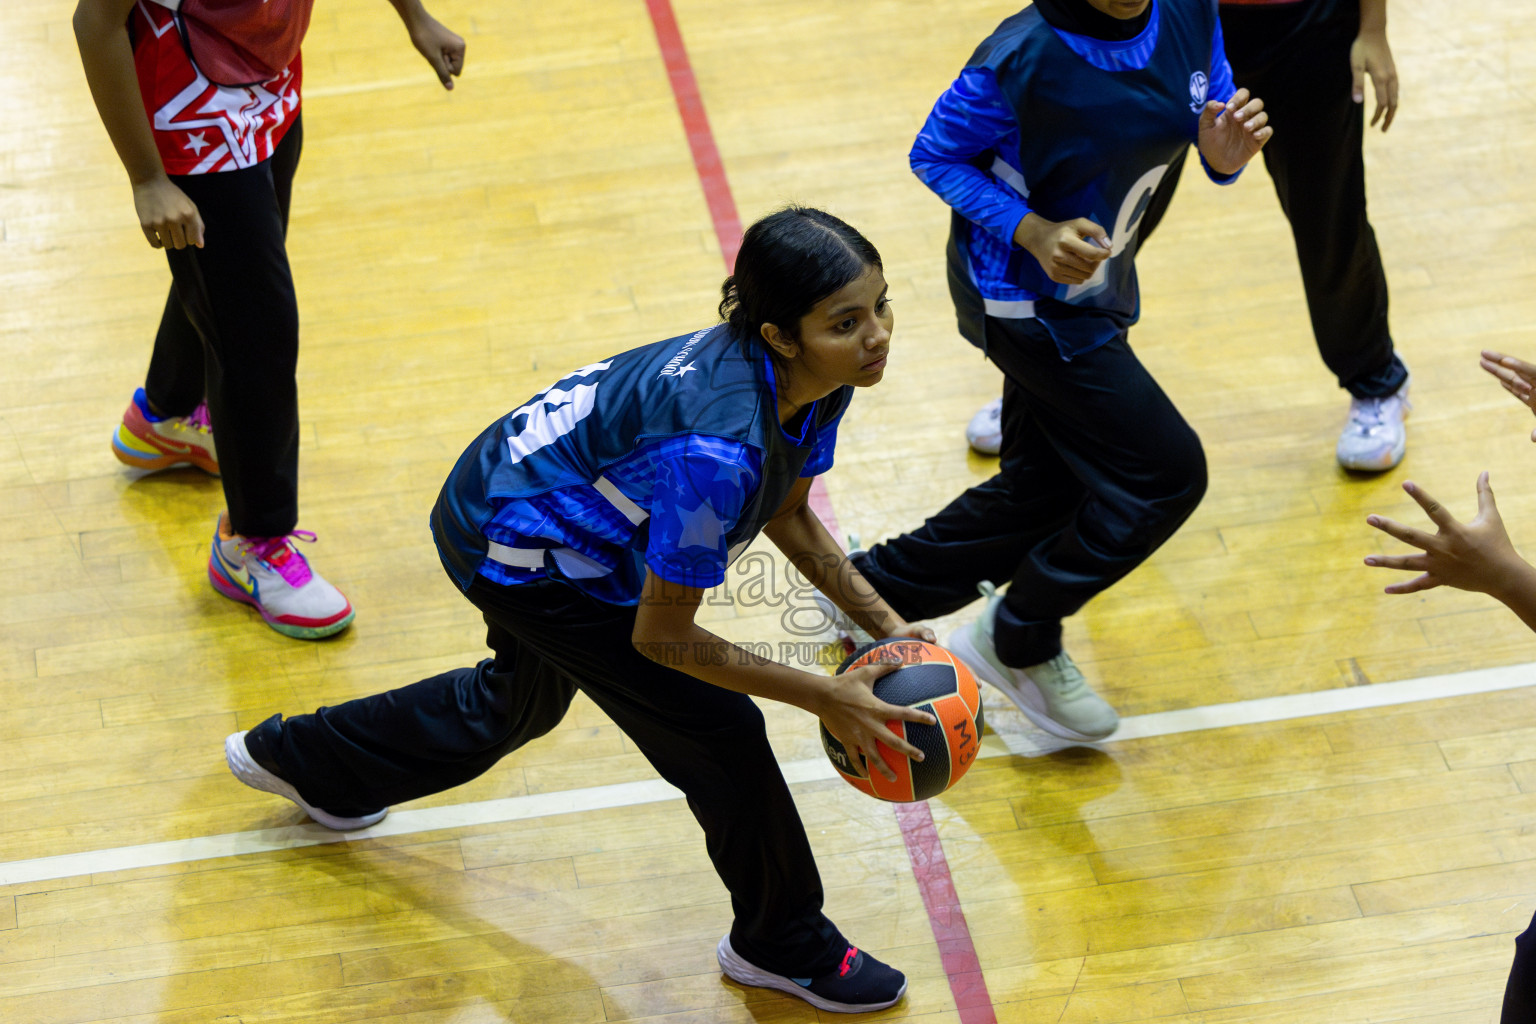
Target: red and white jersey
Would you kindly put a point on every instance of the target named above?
(201, 127)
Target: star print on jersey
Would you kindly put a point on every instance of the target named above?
(731, 472)
(236, 114)
(693, 489)
(698, 499)
(201, 127)
(702, 529)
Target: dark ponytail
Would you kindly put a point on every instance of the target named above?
(788, 262)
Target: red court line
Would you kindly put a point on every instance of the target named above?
(701, 141)
(929, 865)
(956, 951)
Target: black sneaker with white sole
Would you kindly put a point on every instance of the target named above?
(859, 984)
(255, 771)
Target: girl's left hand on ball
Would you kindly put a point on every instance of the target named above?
(915, 630)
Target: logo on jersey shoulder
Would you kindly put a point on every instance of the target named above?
(1199, 85)
(675, 366)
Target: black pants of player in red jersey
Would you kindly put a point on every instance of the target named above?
(550, 640)
(1097, 470)
(230, 333)
(1295, 57)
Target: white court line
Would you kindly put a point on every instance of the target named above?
(631, 794)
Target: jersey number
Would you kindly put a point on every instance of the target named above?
(554, 413)
(1126, 222)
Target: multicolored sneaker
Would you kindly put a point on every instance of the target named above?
(149, 442)
(244, 766)
(857, 985)
(1374, 438)
(270, 574)
(985, 431)
(1053, 694)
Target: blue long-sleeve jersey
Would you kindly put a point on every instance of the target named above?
(1066, 126)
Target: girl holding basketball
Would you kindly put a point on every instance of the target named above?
(585, 526)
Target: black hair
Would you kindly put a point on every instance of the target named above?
(789, 261)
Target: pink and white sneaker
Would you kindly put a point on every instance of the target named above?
(149, 442)
(269, 574)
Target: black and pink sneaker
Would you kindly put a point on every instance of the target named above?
(857, 985)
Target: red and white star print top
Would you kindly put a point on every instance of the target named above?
(200, 127)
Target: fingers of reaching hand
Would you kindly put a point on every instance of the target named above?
(1487, 509)
(1406, 534)
(1413, 586)
(1522, 369)
(1514, 389)
(1507, 375)
(1416, 562)
(1438, 513)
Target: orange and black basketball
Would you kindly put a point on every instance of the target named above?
(930, 679)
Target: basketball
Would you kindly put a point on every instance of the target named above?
(930, 679)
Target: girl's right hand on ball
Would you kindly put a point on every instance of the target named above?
(858, 718)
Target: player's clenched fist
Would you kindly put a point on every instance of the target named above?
(1069, 251)
(167, 217)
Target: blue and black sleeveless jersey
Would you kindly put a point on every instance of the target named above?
(668, 457)
(1066, 126)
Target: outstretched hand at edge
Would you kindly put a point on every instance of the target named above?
(1475, 556)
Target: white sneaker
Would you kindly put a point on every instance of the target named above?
(1375, 439)
(985, 431)
(245, 768)
(270, 574)
(1053, 694)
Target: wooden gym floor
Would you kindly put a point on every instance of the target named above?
(1291, 861)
